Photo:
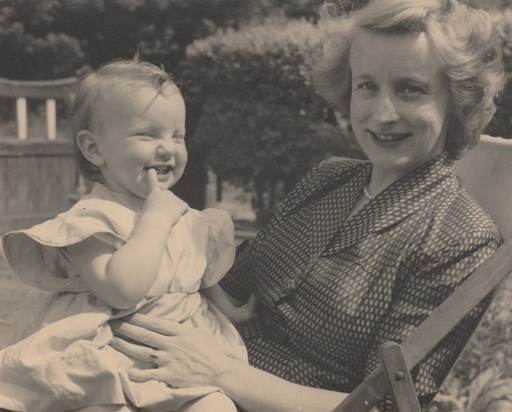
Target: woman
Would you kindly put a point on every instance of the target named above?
(360, 252)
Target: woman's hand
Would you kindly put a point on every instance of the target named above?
(185, 357)
(181, 356)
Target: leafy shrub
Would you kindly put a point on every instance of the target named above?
(481, 380)
(58, 38)
(261, 121)
(501, 124)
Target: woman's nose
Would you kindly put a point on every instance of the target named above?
(386, 110)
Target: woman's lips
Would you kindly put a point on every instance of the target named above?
(389, 137)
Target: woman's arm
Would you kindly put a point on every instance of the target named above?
(186, 357)
(257, 390)
(122, 277)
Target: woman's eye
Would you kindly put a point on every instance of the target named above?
(413, 90)
(367, 86)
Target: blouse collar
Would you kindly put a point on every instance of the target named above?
(418, 189)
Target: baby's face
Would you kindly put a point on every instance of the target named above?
(141, 130)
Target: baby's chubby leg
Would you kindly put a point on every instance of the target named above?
(215, 401)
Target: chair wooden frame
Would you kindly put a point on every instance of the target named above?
(393, 376)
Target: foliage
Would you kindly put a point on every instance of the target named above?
(261, 120)
(24, 52)
(488, 4)
(263, 9)
(482, 379)
(57, 38)
(501, 124)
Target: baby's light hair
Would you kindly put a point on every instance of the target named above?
(109, 79)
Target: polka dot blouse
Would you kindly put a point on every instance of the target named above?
(331, 289)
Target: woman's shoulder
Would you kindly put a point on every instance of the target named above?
(326, 176)
(464, 220)
(336, 167)
(452, 227)
(321, 179)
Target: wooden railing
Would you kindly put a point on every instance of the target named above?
(50, 90)
(37, 173)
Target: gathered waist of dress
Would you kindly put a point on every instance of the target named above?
(176, 306)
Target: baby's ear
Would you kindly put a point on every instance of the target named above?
(87, 142)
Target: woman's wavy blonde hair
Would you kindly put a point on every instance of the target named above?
(463, 37)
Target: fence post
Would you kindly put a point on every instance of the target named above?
(21, 117)
(51, 119)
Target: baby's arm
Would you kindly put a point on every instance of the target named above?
(229, 306)
(122, 277)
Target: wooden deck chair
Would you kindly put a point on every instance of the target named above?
(487, 173)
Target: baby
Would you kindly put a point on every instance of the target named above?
(129, 246)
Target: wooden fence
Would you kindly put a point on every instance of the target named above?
(37, 173)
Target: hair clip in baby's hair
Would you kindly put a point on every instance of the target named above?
(162, 82)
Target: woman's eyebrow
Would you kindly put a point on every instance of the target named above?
(362, 76)
(416, 80)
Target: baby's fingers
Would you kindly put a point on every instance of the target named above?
(251, 303)
(152, 180)
(241, 315)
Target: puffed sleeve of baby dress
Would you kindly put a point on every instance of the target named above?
(220, 257)
(221, 246)
(37, 255)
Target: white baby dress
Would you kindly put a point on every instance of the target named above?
(68, 363)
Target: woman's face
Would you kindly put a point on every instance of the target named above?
(399, 100)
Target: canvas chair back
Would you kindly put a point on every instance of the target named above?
(487, 173)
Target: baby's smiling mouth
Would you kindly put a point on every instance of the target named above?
(160, 169)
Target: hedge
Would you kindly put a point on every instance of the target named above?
(261, 120)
